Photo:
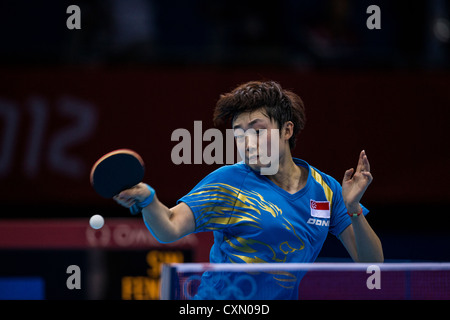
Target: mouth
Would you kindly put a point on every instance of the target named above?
(253, 158)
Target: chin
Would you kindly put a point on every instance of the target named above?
(257, 166)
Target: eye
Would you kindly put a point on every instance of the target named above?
(239, 134)
(260, 132)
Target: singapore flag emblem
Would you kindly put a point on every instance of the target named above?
(320, 209)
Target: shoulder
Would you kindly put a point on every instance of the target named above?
(237, 168)
(225, 180)
(229, 171)
(332, 182)
(229, 174)
(319, 176)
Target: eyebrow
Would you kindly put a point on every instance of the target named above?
(251, 123)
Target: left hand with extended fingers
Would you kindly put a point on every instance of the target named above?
(355, 183)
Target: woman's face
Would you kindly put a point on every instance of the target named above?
(257, 139)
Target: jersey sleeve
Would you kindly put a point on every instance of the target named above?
(340, 220)
(213, 199)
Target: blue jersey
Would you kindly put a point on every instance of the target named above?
(256, 221)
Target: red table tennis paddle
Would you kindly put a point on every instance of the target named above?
(117, 171)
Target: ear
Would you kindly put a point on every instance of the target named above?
(287, 131)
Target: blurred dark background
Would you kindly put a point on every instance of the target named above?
(139, 69)
(304, 35)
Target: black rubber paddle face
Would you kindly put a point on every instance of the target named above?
(116, 172)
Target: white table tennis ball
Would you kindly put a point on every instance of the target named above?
(96, 221)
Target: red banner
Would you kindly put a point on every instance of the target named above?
(117, 233)
(54, 124)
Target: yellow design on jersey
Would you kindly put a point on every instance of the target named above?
(326, 188)
(221, 205)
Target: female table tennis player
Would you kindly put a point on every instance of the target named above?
(283, 217)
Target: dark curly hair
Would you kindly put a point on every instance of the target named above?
(280, 105)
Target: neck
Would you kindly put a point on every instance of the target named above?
(289, 176)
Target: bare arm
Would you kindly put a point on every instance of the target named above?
(361, 242)
(168, 225)
(359, 239)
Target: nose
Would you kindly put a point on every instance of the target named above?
(251, 143)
